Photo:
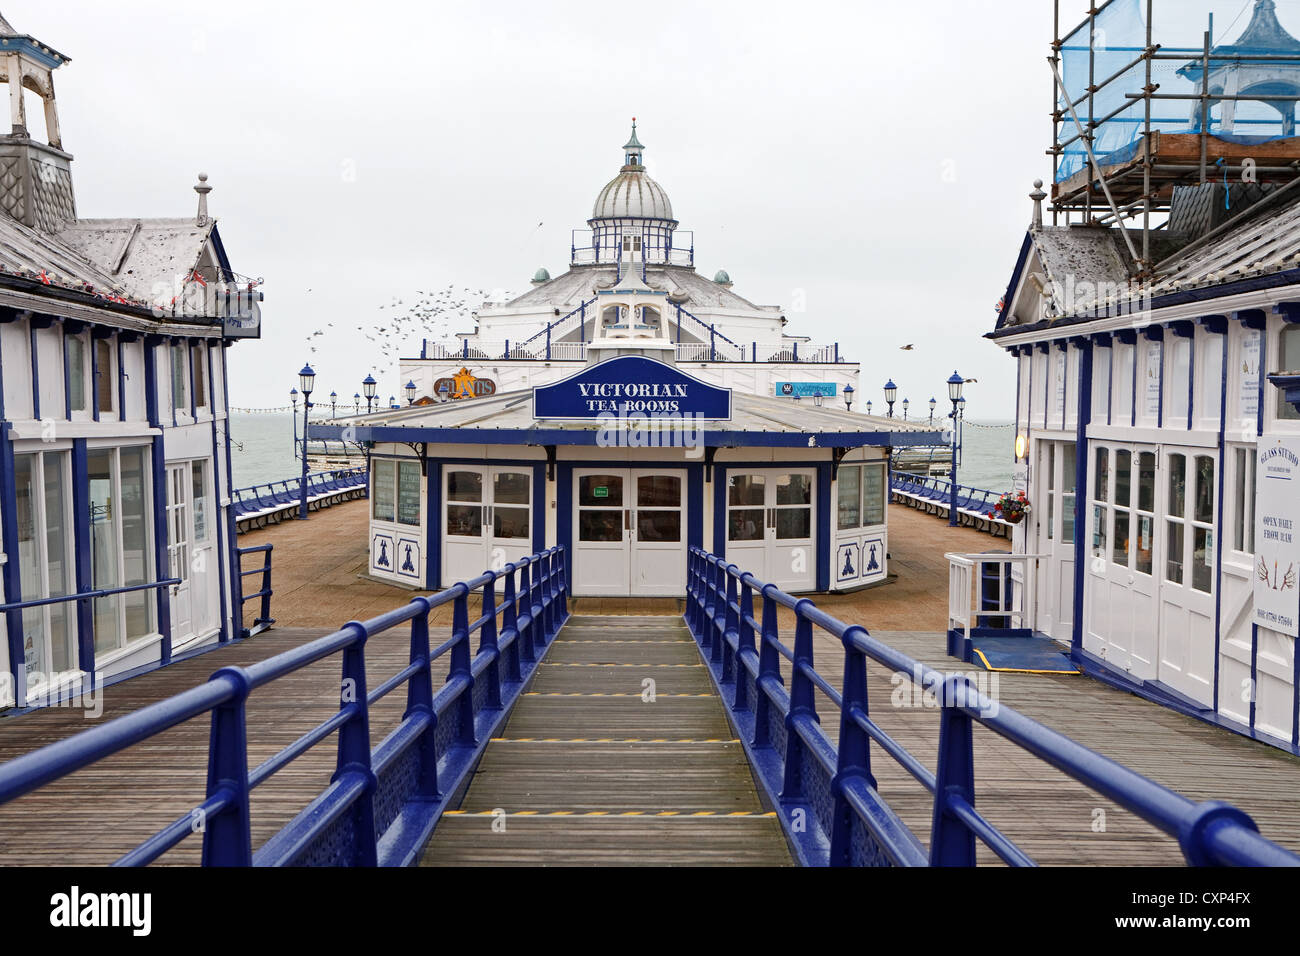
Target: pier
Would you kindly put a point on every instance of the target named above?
(585, 768)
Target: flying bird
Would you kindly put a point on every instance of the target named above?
(907, 348)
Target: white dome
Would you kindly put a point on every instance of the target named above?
(632, 194)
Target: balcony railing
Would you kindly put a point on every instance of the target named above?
(718, 350)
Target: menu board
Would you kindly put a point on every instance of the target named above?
(1277, 545)
(408, 493)
(1151, 403)
(383, 490)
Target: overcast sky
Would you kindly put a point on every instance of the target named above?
(872, 160)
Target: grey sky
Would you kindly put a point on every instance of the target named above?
(874, 158)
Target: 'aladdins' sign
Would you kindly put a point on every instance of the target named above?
(631, 384)
(1277, 535)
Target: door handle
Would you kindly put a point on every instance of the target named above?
(627, 519)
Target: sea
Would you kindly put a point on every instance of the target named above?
(263, 450)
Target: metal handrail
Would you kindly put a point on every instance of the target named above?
(89, 595)
(800, 767)
(345, 822)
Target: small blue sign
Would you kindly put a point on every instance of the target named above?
(805, 389)
(631, 385)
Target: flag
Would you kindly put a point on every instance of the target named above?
(195, 277)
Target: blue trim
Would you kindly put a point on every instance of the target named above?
(232, 524)
(67, 377)
(2, 386)
(823, 441)
(1016, 273)
(13, 582)
(81, 531)
(720, 510)
(1223, 481)
(564, 513)
(189, 356)
(824, 544)
(432, 526)
(1191, 382)
(694, 506)
(94, 380)
(1082, 455)
(121, 384)
(158, 467)
(228, 629)
(539, 506)
(36, 371)
(1259, 431)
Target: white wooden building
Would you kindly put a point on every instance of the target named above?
(114, 447)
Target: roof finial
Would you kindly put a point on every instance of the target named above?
(203, 189)
(1038, 196)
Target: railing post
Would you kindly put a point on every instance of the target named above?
(744, 642)
(802, 706)
(228, 836)
(544, 580)
(769, 671)
(854, 758)
(510, 625)
(524, 615)
(535, 607)
(713, 343)
(487, 641)
(354, 746)
(419, 700)
(563, 559)
(692, 593)
(730, 628)
(951, 842)
(461, 666)
(718, 631)
(265, 617)
(753, 351)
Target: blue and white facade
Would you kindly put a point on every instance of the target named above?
(114, 445)
(1146, 423)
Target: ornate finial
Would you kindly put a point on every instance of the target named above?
(1038, 196)
(203, 189)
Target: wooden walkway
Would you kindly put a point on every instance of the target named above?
(619, 753)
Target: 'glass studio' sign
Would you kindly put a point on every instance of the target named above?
(631, 385)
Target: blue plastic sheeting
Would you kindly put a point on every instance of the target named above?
(1092, 56)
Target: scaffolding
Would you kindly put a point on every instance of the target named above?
(1147, 98)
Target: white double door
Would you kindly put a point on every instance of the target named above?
(771, 530)
(629, 532)
(487, 519)
(191, 556)
(1152, 565)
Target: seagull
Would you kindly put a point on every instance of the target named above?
(970, 381)
(907, 348)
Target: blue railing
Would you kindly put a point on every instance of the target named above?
(278, 495)
(264, 619)
(831, 790)
(382, 804)
(934, 495)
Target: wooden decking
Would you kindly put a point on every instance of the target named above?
(619, 754)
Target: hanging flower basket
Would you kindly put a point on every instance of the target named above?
(1012, 507)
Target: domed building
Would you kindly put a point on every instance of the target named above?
(716, 332)
(625, 411)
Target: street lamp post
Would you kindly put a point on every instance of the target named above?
(293, 397)
(410, 392)
(334, 401)
(906, 403)
(848, 399)
(961, 428)
(891, 393)
(306, 378)
(933, 403)
(356, 402)
(368, 385)
(868, 406)
(955, 383)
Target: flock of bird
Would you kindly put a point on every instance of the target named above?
(402, 322)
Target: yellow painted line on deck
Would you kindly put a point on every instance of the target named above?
(679, 814)
(1020, 670)
(562, 664)
(614, 740)
(620, 694)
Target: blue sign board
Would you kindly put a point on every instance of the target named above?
(631, 385)
(805, 389)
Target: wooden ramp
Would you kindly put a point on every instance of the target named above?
(618, 754)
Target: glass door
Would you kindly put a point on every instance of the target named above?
(463, 522)
(602, 533)
(1187, 614)
(179, 537)
(658, 535)
(510, 517)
